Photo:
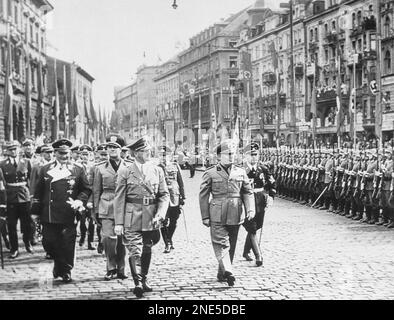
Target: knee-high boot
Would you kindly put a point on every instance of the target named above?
(135, 268)
(145, 263)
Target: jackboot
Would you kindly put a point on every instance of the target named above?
(135, 267)
(145, 263)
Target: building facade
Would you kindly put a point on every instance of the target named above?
(76, 112)
(168, 112)
(23, 35)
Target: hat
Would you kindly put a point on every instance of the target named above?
(115, 140)
(101, 147)
(125, 149)
(38, 150)
(164, 149)
(46, 148)
(226, 146)
(85, 147)
(10, 145)
(62, 145)
(140, 145)
(252, 148)
(74, 148)
(27, 142)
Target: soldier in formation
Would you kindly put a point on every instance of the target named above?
(356, 184)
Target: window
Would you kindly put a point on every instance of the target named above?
(16, 14)
(326, 55)
(354, 19)
(326, 29)
(387, 62)
(233, 61)
(311, 35)
(386, 28)
(334, 26)
(359, 18)
(232, 80)
(9, 8)
(316, 35)
(232, 44)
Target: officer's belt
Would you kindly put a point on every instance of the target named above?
(255, 190)
(17, 184)
(145, 201)
(225, 196)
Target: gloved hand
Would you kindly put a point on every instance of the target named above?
(181, 202)
(89, 205)
(118, 230)
(76, 204)
(157, 221)
(250, 215)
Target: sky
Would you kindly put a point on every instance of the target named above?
(108, 38)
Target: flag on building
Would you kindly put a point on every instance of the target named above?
(66, 108)
(56, 106)
(352, 112)
(94, 120)
(235, 136)
(28, 98)
(40, 102)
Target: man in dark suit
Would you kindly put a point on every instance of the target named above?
(62, 191)
(16, 172)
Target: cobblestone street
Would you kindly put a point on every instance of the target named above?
(308, 254)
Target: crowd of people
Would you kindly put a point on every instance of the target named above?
(118, 194)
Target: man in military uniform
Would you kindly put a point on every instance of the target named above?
(16, 173)
(46, 153)
(104, 185)
(173, 176)
(371, 212)
(124, 154)
(84, 153)
(230, 189)
(75, 153)
(140, 205)
(28, 149)
(387, 172)
(3, 214)
(264, 188)
(328, 168)
(62, 191)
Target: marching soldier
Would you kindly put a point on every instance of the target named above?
(263, 185)
(230, 189)
(371, 212)
(16, 173)
(140, 206)
(173, 176)
(104, 185)
(62, 191)
(328, 181)
(84, 152)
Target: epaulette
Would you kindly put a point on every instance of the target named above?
(209, 168)
(128, 161)
(100, 163)
(77, 164)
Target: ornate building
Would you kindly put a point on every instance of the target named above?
(23, 59)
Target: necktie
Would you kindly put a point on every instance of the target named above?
(15, 164)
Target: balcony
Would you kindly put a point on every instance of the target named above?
(369, 55)
(369, 24)
(332, 38)
(326, 94)
(369, 123)
(269, 78)
(357, 31)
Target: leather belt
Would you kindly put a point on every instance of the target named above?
(225, 196)
(146, 201)
(17, 184)
(255, 190)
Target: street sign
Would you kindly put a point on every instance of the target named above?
(247, 75)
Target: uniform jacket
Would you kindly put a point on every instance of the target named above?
(35, 174)
(230, 193)
(372, 166)
(173, 176)
(52, 192)
(132, 184)
(387, 175)
(328, 167)
(20, 174)
(3, 194)
(261, 178)
(104, 185)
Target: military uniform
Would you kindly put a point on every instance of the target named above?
(104, 186)
(173, 176)
(264, 186)
(16, 173)
(141, 199)
(86, 216)
(3, 208)
(230, 190)
(62, 189)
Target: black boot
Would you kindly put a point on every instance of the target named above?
(145, 263)
(135, 267)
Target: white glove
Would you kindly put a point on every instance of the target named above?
(250, 214)
(118, 230)
(270, 201)
(157, 220)
(89, 205)
(76, 204)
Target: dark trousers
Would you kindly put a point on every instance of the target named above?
(59, 242)
(19, 211)
(84, 229)
(192, 170)
(171, 222)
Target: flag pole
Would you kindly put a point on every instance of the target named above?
(9, 84)
(355, 102)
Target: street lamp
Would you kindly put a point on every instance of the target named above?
(174, 5)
